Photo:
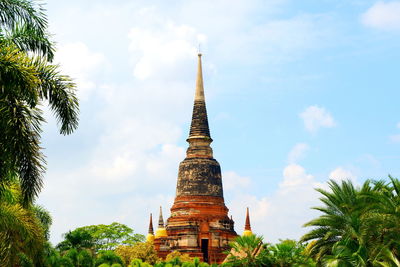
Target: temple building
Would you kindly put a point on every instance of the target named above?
(199, 224)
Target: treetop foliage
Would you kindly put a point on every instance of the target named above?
(100, 237)
(27, 81)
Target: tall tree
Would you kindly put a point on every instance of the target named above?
(27, 80)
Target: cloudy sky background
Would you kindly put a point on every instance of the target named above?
(297, 92)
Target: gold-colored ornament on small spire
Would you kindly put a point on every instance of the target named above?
(150, 235)
(247, 227)
(161, 231)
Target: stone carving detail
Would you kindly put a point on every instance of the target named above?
(199, 177)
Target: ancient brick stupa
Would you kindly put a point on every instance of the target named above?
(199, 224)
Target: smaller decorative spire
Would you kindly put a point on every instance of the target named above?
(151, 230)
(150, 235)
(161, 231)
(247, 226)
(160, 220)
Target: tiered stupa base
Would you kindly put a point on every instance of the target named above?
(198, 226)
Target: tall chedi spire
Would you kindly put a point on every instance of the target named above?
(199, 136)
(199, 224)
(199, 127)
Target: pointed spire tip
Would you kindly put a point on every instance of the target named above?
(247, 223)
(151, 230)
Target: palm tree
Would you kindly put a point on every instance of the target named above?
(27, 80)
(244, 251)
(44, 218)
(24, 24)
(358, 227)
(21, 233)
(288, 253)
(341, 220)
(383, 219)
(78, 239)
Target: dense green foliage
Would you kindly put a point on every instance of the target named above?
(286, 253)
(358, 226)
(143, 251)
(99, 237)
(108, 237)
(77, 239)
(244, 251)
(22, 235)
(250, 251)
(27, 81)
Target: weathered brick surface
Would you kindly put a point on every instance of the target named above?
(199, 177)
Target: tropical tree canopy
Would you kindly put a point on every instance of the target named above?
(244, 251)
(22, 232)
(23, 23)
(359, 226)
(27, 81)
(77, 239)
(108, 237)
(141, 250)
(108, 257)
(99, 237)
(287, 253)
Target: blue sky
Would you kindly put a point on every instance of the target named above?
(297, 92)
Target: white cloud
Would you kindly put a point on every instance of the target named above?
(231, 180)
(117, 168)
(340, 174)
(383, 16)
(281, 214)
(315, 117)
(294, 175)
(259, 211)
(298, 152)
(80, 63)
(163, 49)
